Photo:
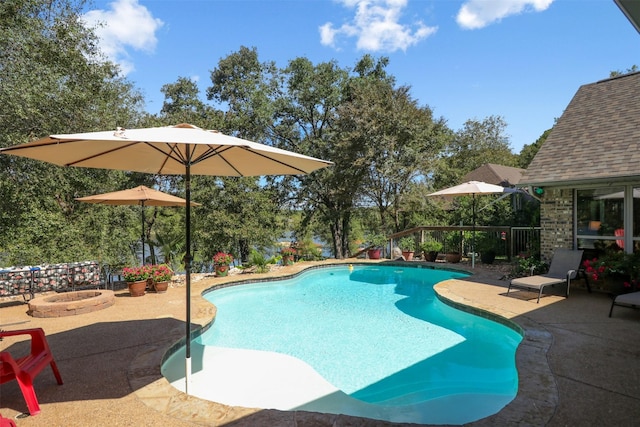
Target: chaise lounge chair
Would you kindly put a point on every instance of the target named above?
(564, 267)
(631, 300)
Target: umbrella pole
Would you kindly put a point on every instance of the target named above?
(187, 267)
(473, 238)
(142, 228)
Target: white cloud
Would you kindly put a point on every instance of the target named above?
(126, 25)
(376, 26)
(476, 14)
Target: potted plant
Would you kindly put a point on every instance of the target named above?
(221, 263)
(376, 243)
(288, 255)
(453, 241)
(617, 272)
(161, 275)
(487, 246)
(136, 278)
(430, 249)
(408, 246)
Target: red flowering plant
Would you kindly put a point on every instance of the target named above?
(161, 273)
(222, 258)
(136, 274)
(617, 265)
(290, 252)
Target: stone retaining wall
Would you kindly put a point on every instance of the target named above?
(48, 277)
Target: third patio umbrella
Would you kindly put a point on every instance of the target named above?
(182, 149)
(471, 188)
(140, 195)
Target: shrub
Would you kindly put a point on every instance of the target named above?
(431, 245)
(259, 261)
(407, 243)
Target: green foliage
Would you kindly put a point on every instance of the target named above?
(528, 152)
(632, 69)
(487, 242)
(377, 240)
(477, 143)
(407, 243)
(401, 141)
(387, 149)
(526, 266)
(136, 274)
(259, 260)
(235, 213)
(54, 81)
(431, 245)
(308, 250)
(452, 241)
(614, 263)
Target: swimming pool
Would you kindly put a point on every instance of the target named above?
(372, 341)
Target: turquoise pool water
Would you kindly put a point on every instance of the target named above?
(379, 335)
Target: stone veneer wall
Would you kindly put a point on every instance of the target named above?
(556, 221)
(49, 277)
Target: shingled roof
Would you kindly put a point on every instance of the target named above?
(597, 138)
(491, 173)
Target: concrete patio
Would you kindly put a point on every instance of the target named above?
(576, 365)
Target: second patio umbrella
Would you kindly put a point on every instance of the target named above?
(182, 149)
(471, 188)
(141, 195)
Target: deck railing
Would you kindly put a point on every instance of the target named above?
(514, 240)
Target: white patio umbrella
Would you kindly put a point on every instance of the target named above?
(619, 195)
(140, 195)
(182, 149)
(471, 188)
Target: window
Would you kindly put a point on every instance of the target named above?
(603, 218)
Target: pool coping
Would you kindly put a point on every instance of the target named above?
(534, 404)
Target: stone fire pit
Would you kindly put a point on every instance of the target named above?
(71, 303)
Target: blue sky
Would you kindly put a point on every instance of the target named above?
(522, 60)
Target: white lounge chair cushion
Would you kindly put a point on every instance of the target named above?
(536, 282)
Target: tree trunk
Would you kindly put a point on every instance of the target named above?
(244, 250)
(336, 233)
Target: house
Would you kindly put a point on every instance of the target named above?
(587, 173)
(631, 9)
(491, 173)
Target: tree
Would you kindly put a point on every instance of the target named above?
(528, 152)
(477, 143)
(294, 108)
(182, 104)
(402, 142)
(53, 79)
(632, 69)
(236, 215)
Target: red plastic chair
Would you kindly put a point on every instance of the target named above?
(7, 422)
(25, 369)
(619, 233)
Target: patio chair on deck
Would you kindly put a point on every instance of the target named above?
(24, 369)
(631, 300)
(564, 267)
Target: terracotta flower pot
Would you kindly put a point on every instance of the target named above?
(453, 257)
(137, 289)
(374, 253)
(431, 256)
(287, 260)
(408, 255)
(222, 270)
(161, 287)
